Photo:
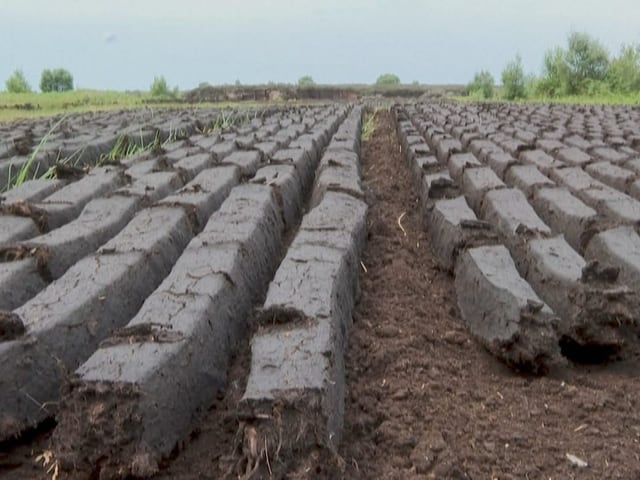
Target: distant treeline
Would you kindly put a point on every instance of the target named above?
(210, 93)
(583, 68)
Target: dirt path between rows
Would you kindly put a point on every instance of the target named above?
(423, 399)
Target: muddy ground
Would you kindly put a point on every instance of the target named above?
(424, 400)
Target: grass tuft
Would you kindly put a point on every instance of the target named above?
(23, 174)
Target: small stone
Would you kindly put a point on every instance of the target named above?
(455, 337)
(578, 462)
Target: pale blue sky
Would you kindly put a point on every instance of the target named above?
(122, 44)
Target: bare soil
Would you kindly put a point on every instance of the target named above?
(424, 400)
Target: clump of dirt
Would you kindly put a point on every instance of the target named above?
(25, 209)
(604, 323)
(95, 429)
(12, 253)
(11, 326)
(23, 144)
(68, 172)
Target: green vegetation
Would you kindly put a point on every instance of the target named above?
(482, 85)
(25, 171)
(607, 98)
(388, 79)
(17, 83)
(306, 81)
(29, 105)
(579, 69)
(623, 75)
(125, 147)
(583, 71)
(368, 126)
(159, 88)
(513, 80)
(56, 80)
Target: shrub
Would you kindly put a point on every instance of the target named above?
(572, 71)
(17, 83)
(306, 81)
(388, 79)
(159, 87)
(482, 85)
(587, 60)
(555, 74)
(623, 75)
(513, 80)
(56, 80)
(531, 85)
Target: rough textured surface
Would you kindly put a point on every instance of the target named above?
(459, 162)
(540, 160)
(304, 327)
(19, 281)
(205, 193)
(409, 348)
(611, 203)
(338, 172)
(503, 311)
(566, 213)
(65, 204)
(527, 178)
(619, 247)
(99, 221)
(454, 227)
(476, 182)
(32, 191)
(197, 315)
(64, 323)
(13, 229)
(510, 213)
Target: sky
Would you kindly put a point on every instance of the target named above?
(123, 44)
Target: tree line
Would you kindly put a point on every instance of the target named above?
(51, 80)
(583, 67)
(60, 80)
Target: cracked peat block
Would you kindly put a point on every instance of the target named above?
(158, 375)
(294, 399)
(66, 321)
(501, 309)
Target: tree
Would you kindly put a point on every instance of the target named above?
(306, 81)
(482, 85)
(17, 83)
(586, 59)
(388, 79)
(555, 74)
(56, 80)
(513, 80)
(582, 67)
(159, 87)
(623, 75)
